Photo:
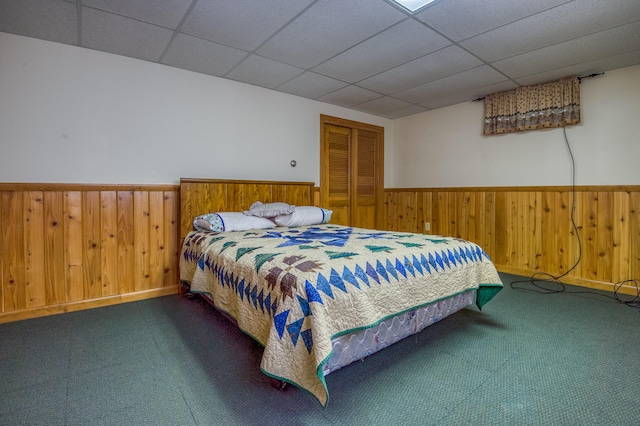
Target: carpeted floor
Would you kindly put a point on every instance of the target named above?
(526, 359)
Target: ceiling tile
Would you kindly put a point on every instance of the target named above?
(459, 20)
(123, 36)
(450, 60)
(450, 51)
(263, 72)
(469, 96)
(349, 96)
(447, 101)
(403, 112)
(167, 13)
(203, 56)
(553, 26)
(483, 91)
(52, 20)
(243, 24)
(383, 51)
(465, 81)
(584, 69)
(311, 85)
(381, 105)
(612, 42)
(328, 28)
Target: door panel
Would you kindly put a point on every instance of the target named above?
(336, 186)
(364, 199)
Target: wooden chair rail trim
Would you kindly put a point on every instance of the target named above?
(33, 186)
(580, 188)
(244, 182)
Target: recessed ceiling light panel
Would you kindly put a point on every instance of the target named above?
(413, 5)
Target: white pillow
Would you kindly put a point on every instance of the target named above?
(230, 221)
(270, 209)
(304, 216)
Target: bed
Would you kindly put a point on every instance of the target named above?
(320, 296)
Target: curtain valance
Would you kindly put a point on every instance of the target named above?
(533, 107)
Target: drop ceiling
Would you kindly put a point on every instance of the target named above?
(368, 55)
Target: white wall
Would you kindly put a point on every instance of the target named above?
(75, 115)
(445, 148)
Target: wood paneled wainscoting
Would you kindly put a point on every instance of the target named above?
(528, 230)
(66, 247)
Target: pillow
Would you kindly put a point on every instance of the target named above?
(230, 221)
(270, 209)
(303, 216)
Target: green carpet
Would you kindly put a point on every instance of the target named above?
(526, 359)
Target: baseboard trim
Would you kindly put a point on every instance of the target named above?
(596, 285)
(86, 304)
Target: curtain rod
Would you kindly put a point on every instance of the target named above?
(579, 79)
(590, 76)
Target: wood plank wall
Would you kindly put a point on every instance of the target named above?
(67, 247)
(199, 196)
(527, 230)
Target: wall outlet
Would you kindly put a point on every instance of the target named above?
(427, 226)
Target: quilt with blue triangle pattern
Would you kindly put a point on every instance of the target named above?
(294, 289)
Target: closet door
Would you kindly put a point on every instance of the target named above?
(351, 172)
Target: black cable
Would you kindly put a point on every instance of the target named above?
(538, 278)
(635, 302)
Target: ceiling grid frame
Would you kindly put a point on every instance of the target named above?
(488, 48)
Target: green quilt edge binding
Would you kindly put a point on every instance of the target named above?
(413, 308)
(486, 292)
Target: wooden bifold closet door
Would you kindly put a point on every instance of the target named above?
(351, 171)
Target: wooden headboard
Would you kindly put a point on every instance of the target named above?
(199, 196)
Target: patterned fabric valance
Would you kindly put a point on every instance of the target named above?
(554, 104)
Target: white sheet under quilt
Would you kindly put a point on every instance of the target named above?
(353, 347)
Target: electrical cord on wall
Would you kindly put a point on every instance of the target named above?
(540, 281)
